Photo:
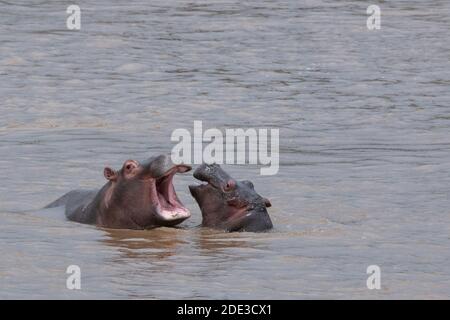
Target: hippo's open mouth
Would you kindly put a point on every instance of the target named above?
(201, 186)
(205, 181)
(168, 207)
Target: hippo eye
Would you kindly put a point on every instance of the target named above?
(129, 165)
(230, 185)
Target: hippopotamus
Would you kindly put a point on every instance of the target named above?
(229, 204)
(138, 196)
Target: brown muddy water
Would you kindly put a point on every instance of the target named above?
(364, 122)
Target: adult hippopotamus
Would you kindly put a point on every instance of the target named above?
(138, 196)
(229, 204)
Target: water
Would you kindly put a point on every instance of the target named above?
(364, 144)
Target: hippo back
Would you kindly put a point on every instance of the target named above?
(76, 204)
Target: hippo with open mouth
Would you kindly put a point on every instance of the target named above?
(138, 196)
(229, 204)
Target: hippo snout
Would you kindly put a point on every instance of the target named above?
(159, 166)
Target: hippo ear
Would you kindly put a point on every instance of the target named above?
(110, 174)
(248, 184)
(267, 202)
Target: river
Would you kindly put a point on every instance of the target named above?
(364, 120)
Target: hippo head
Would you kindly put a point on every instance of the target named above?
(141, 195)
(229, 204)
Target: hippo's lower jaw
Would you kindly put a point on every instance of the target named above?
(169, 209)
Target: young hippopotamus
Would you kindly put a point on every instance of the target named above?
(229, 204)
(138, 196)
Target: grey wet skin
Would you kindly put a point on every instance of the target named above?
(138, 196)
(229, 204)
